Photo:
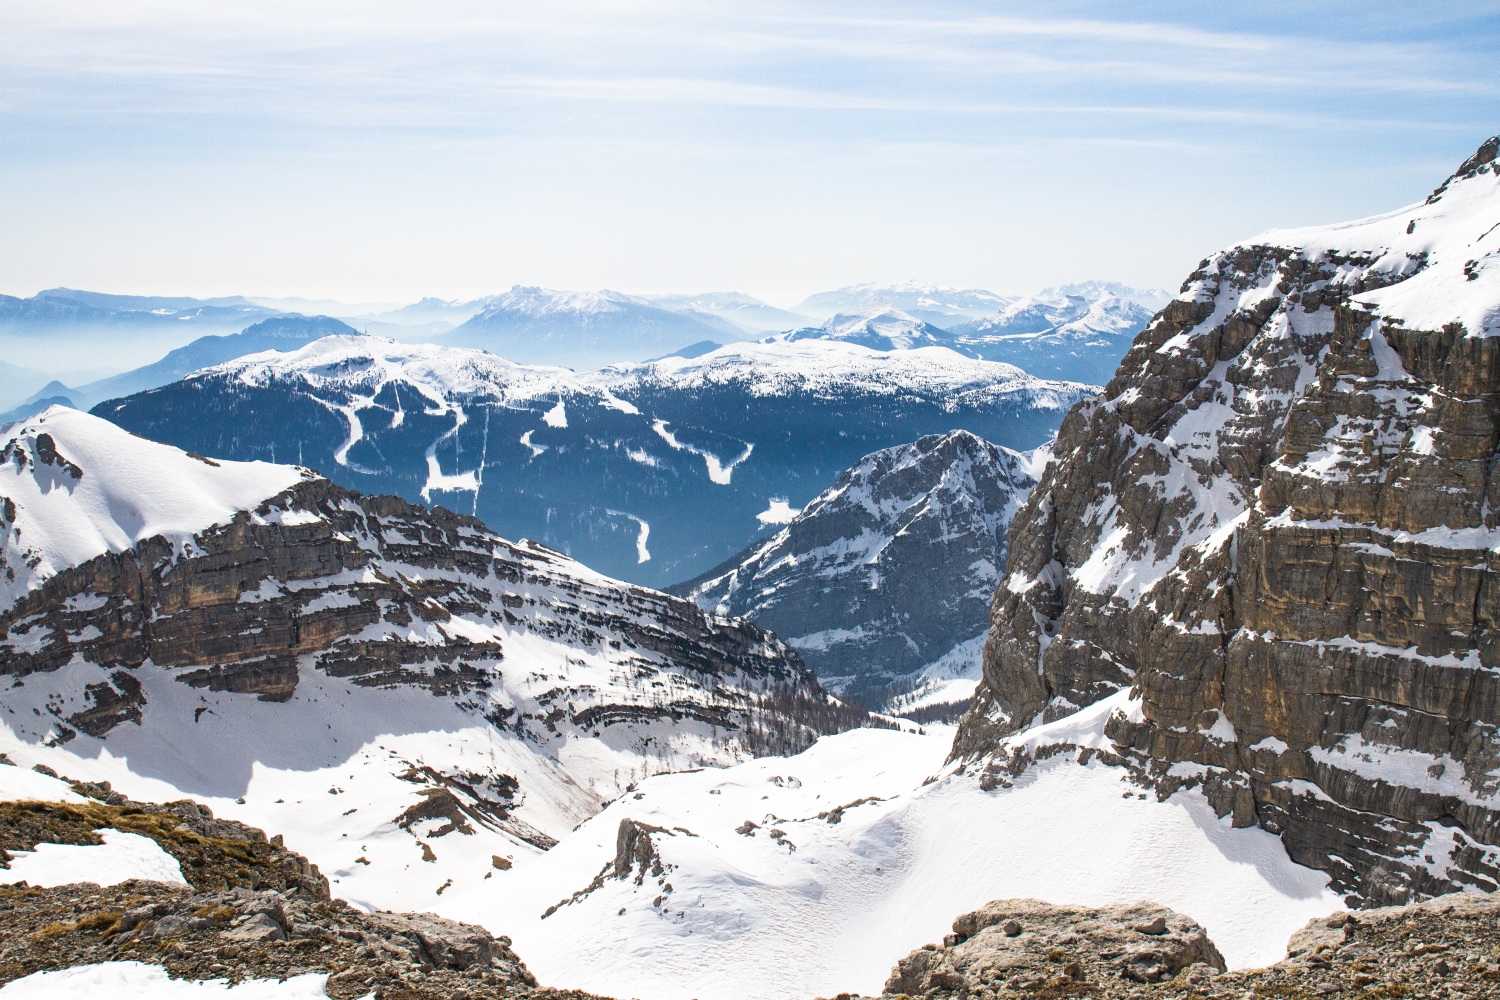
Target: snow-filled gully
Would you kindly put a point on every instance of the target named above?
(718, 472)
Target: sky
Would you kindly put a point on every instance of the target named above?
(380, 151)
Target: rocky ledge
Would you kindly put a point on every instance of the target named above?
(252, 910)
(1445, 947)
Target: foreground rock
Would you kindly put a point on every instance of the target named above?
(252, 910)
(1445, 947)
(1019, 945)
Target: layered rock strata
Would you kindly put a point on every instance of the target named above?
(117, 584)
(1279, 526)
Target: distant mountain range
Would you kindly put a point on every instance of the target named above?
(1079, 335)
(937, 304)
(650, 472)
(878, 326)
(583, 329)
(279, 333)
(743, 311)
(114, 329)
(1075, 331)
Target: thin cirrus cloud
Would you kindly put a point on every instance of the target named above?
(777, 147)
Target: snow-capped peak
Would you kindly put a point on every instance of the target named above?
(878, 326)
(530, 300)
(73, 486)
(1427, 265)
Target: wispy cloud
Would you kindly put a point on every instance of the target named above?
(781, 108)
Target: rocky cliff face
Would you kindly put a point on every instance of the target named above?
(1279, 526)
(875, 579)
(121, 602)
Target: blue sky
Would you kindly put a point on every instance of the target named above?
(385, 150)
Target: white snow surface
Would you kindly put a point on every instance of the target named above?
(130, 489)
(1458, 232)
(122, 856)
(139, 981)
(778, 511)
(831, 907)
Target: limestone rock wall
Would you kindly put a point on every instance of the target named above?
(1278, 526)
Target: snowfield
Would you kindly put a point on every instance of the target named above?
(829, 907)
(122, 857)
(133, 489)
(796, 905)
(139, 981)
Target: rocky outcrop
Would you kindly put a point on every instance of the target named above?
(212, 853)
(876, 579)
(252, 910)
(1279, 527)
(1024, 944)
(1022, 948)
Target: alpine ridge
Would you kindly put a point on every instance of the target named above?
(653, 473)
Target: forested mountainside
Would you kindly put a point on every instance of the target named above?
(653, 473)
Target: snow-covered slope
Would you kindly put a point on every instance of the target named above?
(73, 487)
(397, 683)
(883, 581)
(1278, 526)
(879, 327)
(746, 312)
(651, 472)
(939, 304)
(582, 329)
(807, 876)
(783, 877)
